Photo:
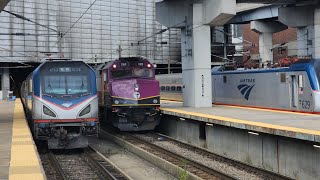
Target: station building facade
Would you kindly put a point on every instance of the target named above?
(106, 29)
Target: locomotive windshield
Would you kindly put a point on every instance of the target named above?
(66, 84)
(135, 72)
(65, 81)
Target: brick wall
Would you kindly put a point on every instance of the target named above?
(285, 36)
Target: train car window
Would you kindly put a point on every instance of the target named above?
(0, 82)
(179, 89)
(163, 88)
(283, 77)
(300, 81)
(167, 88)
(173, 88)
(225, 79)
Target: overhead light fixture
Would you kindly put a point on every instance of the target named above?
(316, 146)
(253, 133)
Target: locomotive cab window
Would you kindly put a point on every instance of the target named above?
(300, 81)
(283, 77)
(224, 79)
(105, 74)
(135, 72)
(30, 86)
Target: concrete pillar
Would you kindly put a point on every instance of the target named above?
(195, 18)
(196, 62)
(304, 18)
(265, 47)
(316, 44)
(265, 30)
(5, 82)
(305, 35)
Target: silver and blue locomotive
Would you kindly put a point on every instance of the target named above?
(294, 88)
(61, 103)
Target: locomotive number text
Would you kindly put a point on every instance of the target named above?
(304, 104)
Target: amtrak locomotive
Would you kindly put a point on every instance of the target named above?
(61, 103)
(294, 88)
(129, 95)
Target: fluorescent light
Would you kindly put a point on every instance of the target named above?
(254, 133)
(316, 146)
(209, 124)
(182, 119)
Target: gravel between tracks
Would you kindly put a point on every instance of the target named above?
(133, 165)
(203, 159)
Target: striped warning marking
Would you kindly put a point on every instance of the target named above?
(25, 162)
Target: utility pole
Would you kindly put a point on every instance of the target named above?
(226, 31)
(119, 51)
(169, 55)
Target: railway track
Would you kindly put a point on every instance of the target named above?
(192, 164)
(216, 157)
(187, 164)
(88, 164)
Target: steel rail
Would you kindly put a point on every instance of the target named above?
(105, 167)
(192, 166)
(248, 167)
(57, 166)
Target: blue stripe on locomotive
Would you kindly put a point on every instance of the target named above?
(308, 67)
(37, 89)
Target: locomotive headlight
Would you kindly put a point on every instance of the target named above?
(48, 112)
(85, 110)
(136, 87)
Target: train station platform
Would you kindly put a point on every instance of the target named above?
(19, 157)
(287, 143)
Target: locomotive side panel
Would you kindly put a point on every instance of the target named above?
(277, 90)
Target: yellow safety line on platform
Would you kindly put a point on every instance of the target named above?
(269, 110)
(246, 122)
(25, 163)
(169, 101)
(251, 108)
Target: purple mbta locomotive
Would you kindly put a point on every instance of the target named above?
(129, 95)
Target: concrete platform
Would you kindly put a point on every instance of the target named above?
(284, 142)
(289, 124)
(18, 154)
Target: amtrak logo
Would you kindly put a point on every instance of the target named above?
(67, 104)
(245, 90)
